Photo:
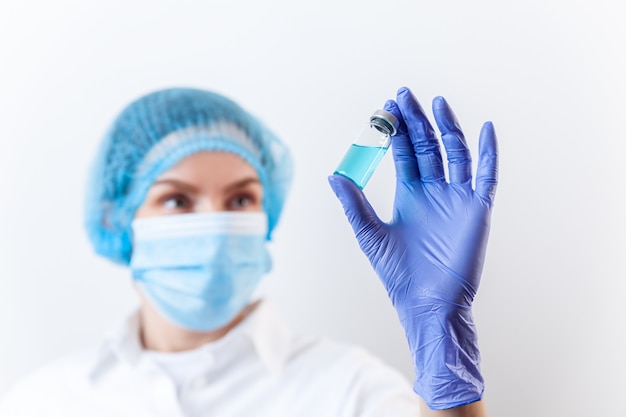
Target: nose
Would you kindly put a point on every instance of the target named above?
(208, 204)
(205, 204)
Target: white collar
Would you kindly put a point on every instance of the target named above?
(269, 334)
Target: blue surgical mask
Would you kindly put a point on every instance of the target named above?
(200, 270)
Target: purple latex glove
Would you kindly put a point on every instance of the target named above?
(430, 256)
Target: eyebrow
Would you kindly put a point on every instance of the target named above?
(189, 187)
(175, 183)
(243, 183)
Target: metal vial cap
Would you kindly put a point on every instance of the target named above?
(385, 122)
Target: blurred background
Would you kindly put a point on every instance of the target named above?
(549, 74)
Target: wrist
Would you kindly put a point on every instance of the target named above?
(446, 358)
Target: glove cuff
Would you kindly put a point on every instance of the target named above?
(446, 357)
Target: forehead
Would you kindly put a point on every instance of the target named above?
(211, 166)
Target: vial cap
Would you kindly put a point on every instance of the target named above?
(385, 122)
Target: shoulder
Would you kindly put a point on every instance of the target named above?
(346, 358)
(348, 374)
(344, 376)
(49, 385)
(317, 357)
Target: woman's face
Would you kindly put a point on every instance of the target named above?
(202, 183)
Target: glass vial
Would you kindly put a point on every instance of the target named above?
(368, 149)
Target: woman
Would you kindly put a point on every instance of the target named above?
(186, 191)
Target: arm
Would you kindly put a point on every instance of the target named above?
(475, 409)
(430, 256)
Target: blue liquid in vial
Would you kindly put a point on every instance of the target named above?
(360, 162)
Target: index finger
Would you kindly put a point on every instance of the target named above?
(422, 135)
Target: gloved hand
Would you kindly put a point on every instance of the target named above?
(430, 256)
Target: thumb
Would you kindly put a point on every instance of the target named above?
(358, 210)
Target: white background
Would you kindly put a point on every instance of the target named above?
(549, 74)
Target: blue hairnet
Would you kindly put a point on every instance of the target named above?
(151, 135)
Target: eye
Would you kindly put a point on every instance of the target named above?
(243, 202)
(176, 203)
